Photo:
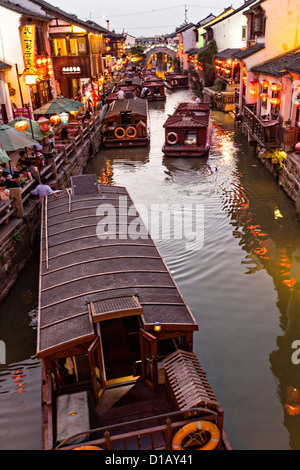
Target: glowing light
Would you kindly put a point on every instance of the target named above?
(264, 84)
(275, 101)
(21, 126)
(277, 214)
(275, 87)
(264, 96)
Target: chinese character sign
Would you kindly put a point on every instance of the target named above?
(28, 45)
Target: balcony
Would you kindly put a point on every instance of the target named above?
(264, 131)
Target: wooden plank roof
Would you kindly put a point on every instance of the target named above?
(77, 268)
(189, 115)
(135, 105)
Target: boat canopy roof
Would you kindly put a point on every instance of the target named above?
(85, 279)
(134, 105)
(189, 115)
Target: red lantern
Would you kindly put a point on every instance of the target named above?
(297, 147)
(55, 119)
(275, 101)
(252, 92)
(21, 126)
(275, 87)
(264, 84)
(264, 96)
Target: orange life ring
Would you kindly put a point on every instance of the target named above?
(131, 135)
(195, 426)
(172, 134)
(87, 448)
(122, 135)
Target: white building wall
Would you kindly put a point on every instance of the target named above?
(189, 42)
(228, 32)
(11, 52)
(282, 30)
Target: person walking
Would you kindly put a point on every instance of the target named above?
(42, 189)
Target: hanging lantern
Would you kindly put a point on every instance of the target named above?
(64, 118)
(21, 126)
(252, 92)
(297, 103)
(264, 96)
(43, 123)
(264, 84)
(297, 147)
(254, 81)
(275, 87)
(55, 119)
(275, 101)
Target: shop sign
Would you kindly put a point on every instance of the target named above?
(71, 70)
(28, 47)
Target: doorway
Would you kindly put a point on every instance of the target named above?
(120, 349)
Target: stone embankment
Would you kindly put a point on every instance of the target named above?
(19, 225)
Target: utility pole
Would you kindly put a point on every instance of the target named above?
(185, 14)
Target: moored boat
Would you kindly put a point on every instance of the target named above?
(115, 335)
(125, 123)
(156, 88)
(176, 81)
(188, 130)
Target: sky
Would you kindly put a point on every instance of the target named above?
(156, 17)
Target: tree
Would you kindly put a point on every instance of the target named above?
(206, 59)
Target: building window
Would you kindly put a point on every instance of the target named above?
(81, 44)
(244, 33)
(73, 46)
(60, 46)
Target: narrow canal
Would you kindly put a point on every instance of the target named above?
(237, 278)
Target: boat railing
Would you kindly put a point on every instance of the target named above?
(147, 435)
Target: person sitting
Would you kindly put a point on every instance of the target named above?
(198, 99)
(42, 189)
(23, 160)
(4, 197)
(6, 169)
(12, 181)
(4, 193)
(25, 176)
(120, 94)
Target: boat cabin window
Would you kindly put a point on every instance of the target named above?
(191, 138)
(125, 117)
(156, 90)
(72, 370)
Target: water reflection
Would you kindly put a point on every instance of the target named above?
(241, 283)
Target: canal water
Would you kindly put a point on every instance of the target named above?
(238, 274)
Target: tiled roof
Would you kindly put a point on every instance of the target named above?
(23, 11)
(243, 53)
(88, 25)
(4, 65)
(289, 62)
(227, 54)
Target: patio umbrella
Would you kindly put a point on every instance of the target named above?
(55, 107)
(70, 102)
(11, 139)
(4, 158)
(37, 133)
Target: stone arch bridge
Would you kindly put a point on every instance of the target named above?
(163, 48)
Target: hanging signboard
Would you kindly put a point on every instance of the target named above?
(28, 47)
(71, 70)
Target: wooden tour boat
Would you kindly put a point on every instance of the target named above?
(188, 131)
(115, 335)
(125, 123)
(175, 81)
(156, 88)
